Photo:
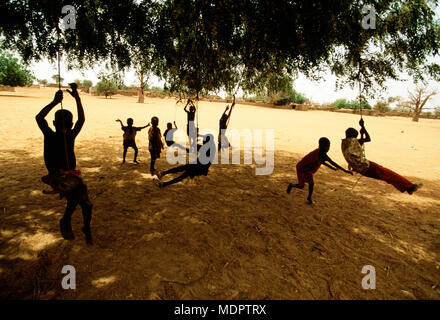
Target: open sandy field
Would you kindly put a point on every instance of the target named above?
(230, 235)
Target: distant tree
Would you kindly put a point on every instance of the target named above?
(353, 105)
(383, 106)
(437, 111)
(86, 84)
(13, 72)
(42, 82)
(108, 84)
(55, 78)
(78, 82)
(418, 99)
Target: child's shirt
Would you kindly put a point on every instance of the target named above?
(155, 141)
(130, 133)
(56, 155)
(310, 163)
(354, 154)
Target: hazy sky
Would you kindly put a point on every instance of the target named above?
(321, 92)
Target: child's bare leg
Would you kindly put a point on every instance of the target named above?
(65, 222)
(175, 180)
(309, 198)
(124, 154)
(291, 185)
(135, 154)
(152, 163)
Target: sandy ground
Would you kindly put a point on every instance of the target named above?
(230, 235)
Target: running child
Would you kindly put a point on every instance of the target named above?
(309, 165)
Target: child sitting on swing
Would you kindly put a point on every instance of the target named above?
(355, 157)
(191, 170)
(169, 137)
(60, 161)
(309, 165)
(129, 137)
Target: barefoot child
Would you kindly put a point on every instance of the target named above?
(223, 125)
(60, 161)
(191, 170)
(129, 137)
(190, 126)
(169, 136)
(310, 164)
(155, 144)
(355, 156)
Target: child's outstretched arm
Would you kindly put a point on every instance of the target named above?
(140, 128)
(42, 123)
(175, 125)
(81, 117)
(336, 166)
(363, 132)
(122, 125)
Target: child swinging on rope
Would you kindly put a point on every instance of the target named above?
(192, 170)
(60, 161)
(309, 165)
(355, 156)
(169, 137)
(190, 126)
(223, 141)
(129, 137)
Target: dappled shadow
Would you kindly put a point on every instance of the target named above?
(230, 235)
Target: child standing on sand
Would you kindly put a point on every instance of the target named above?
(155, 145)
(129, 138)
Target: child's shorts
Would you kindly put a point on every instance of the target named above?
(129, 143)
(304, 177)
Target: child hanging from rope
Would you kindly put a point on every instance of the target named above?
(129, 137)
(310, 164)
(155, 144)
(60, 161)
(169, 136)
(355, 156)
(192, 170)
(223, 141)
(190, 126)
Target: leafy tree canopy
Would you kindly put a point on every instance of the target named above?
(206, 45)
(13, 72)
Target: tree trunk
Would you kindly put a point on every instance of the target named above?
(141, 96)
(416, 116)
(141, 88)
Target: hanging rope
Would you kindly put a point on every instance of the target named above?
(66, 151)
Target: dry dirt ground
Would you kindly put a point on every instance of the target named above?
(230, 235)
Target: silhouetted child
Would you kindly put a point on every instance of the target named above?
(169, 136)
(129, 137)
(190, 126)
(60, 161)
(191, 170)
(309, 165)
(223, 141)
(352, 149)
(155, 145)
